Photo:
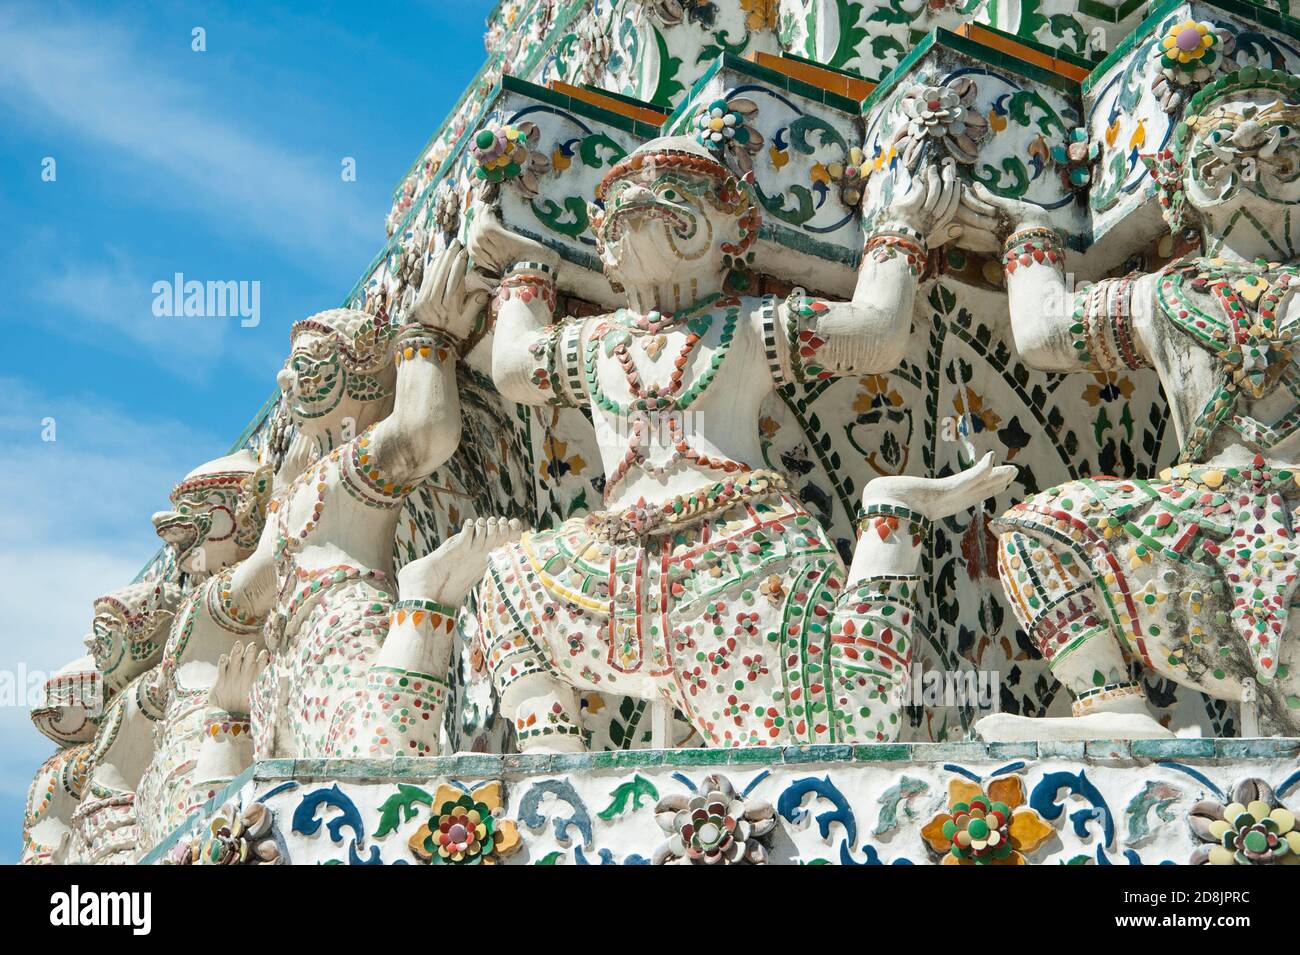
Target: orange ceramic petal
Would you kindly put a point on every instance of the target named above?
(417, 839)
(507, 838)
(962, 790)
(1028, 830)
(951, 859)
(489, 794)
(1008, 789)
(933, 833)
(444, 795)
(1014, 859)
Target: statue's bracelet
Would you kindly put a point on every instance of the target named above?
(1035, 245)
(533, 270)
(897, 230)
(885, 244)
(421, 340)
(528, 280)
(871, 512)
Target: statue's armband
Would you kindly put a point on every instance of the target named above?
(1101, 329)
(791, 341)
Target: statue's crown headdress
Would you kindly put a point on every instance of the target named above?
(1249, 79)
(365, 341)
(669, 152)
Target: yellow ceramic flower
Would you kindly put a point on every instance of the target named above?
(986, 825)
(464, 829)
(1187, 43)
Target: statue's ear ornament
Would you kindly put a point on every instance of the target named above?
(250, 512)
(1167, 172)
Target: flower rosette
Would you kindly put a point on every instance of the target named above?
(944, 115)
(1251, 828)
(986, 825)
(849, 176)
(1189, 48)
(465, 829)
(233, 838)
(1188, 55)
(1074, 158)
(505, 153)
(725, 127)
(714, 826)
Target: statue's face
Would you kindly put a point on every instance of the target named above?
(660, 223)
(1245, 153)
(200, 528)
(122, 652)
(313, 379)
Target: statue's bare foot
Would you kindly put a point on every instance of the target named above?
(236, 672)
(1009, 728)
(942, 497)
(449, 572)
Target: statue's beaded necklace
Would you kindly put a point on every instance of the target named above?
(669, 400)
(1246, 334)
(616, 339)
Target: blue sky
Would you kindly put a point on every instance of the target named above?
(222, 165)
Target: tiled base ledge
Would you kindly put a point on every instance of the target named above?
(1080, 803)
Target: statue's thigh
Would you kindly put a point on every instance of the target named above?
(729, 658)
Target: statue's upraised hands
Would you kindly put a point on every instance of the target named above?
(236, 672)
(928, 202)
(984, 220)
(451, 297)
(494, 248)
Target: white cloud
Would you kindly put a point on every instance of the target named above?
(95, 79)
(116, 295)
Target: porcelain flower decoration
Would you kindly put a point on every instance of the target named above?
(986, 825)
(1253, 828)
(504, 153)
(466, 828)
(714, 826)
(941, 114)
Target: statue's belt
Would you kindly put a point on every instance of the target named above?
(645, 519)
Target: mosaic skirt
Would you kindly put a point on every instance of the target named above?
(738, 617)
(304, 701)
(1193, 574)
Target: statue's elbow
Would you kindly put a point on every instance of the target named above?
(1038, 347)
(514, 380)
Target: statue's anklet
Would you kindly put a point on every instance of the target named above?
(884, 519)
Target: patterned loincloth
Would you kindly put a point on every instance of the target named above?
(726, 609)
(1169, 555)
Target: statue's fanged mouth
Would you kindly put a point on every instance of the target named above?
(679, 219)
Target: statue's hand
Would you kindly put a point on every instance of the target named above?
(929, 202)
(236, 672)
(451, 298)
(984, 220)
(942, 497)
(494, 248)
